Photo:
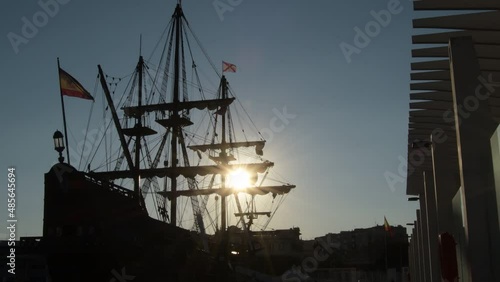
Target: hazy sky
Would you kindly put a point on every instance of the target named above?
(351, 112)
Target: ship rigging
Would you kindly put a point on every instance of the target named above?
(157, 123)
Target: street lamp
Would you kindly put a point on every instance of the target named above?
(410, 224)
(59, 144)
(413, 199)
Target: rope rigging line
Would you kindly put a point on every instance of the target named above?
(282, 199)
(115, 86)
(153, 87)
(154, 164)
(160, 40)
(164, 84)
(98, 144)
(154, 180)
(145, 86)
(189, 82)
(88, 123)
(157, 210)
(241, 125)
(202, 49)
(280, 176)
(181, 216)
(185, 96)
(86, 134)
(105, 163)
(230, 125)
(129, 99)
(195, 70)
(191, 138)
(246, 113)
(132, 77)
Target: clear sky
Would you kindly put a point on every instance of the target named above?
(351, 113)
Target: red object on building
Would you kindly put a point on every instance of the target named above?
(448, 256)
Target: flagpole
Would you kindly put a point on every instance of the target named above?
(386, 267)
(63, 112)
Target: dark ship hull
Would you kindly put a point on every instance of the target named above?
(97, 231)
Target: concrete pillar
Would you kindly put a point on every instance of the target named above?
(410, 258)
(416, 261)
(414, 254)
(432, 234)
(424, 242)
(475, 127)
(446, 185)
(418, 249)
(495, 152)
(459, 224)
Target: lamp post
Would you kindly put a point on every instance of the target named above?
(59, 144)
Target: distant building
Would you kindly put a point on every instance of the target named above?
(363, 254)
(29, 266)
(284, 242)
(274, 251)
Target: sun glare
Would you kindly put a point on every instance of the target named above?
(239, 179)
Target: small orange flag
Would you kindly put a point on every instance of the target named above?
(388, 228)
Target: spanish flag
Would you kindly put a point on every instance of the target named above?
(387, 227)
(71, 87)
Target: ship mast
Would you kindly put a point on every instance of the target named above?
(137, 131)
(137, 190)
(174, 117)
(223, 155)
(175, 114)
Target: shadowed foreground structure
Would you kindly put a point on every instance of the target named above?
(453, 147)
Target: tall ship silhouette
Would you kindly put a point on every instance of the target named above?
(183, 192)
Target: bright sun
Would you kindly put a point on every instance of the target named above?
(239, 179)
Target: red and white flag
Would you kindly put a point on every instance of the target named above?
(227, 67)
